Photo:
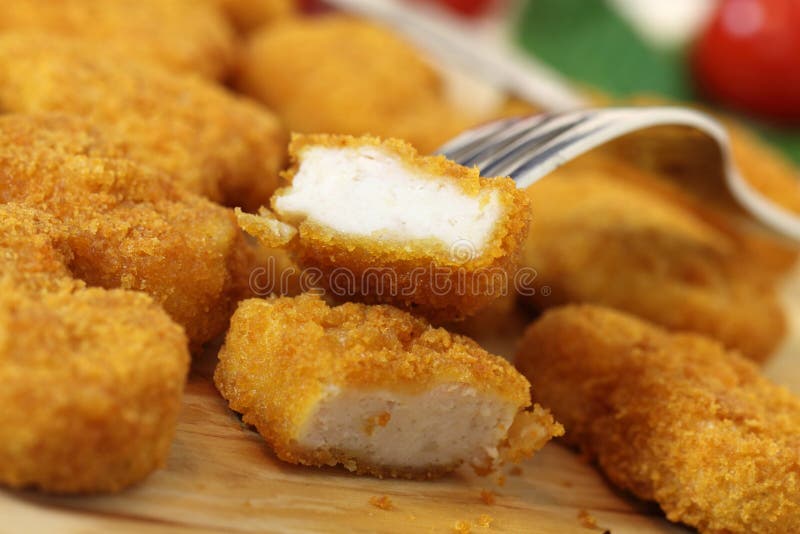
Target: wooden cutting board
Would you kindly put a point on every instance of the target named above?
(221, 477)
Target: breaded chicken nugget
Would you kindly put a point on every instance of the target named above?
(374, 389)
(247, 15)
(337, 74)
(127, 225)
(182, 35)
(595, 239)
(673, 418)
(382, 224)
(208, 140)
(92, 379)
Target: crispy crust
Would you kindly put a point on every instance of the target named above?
(670, 417)
(104, 369)
(126, 225)
(207, 140)
(468, 277)
(281, 353)
(596, 239)
(189, 36)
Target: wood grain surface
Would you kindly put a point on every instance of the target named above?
(221, 477)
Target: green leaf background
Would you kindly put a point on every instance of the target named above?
(587, 41)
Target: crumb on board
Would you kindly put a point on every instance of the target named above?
(383, 502)
(587, 520)
(488, 497)
(501, 480)
(485, 520)
(462, 527)
(516, 471)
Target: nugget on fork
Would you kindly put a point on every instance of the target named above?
(374, 389)
(673, 418)
(385, 225)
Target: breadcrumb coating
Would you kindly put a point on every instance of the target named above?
(206, 139)
(424, 275)
(127, 226)
(673, 418)
(182, 35)
(370, 82)
(92, 378)
(283, 355)
(596, 239)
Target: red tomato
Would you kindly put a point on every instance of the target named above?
(470, 8)
(749, 57)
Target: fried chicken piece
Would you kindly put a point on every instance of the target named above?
(127, 225)
(247, 15)
(596, 239)
(375, 389)
(370, 82)
(182, 35)
(382, 224)
(92, 379)
(673, 418)
(208, 140)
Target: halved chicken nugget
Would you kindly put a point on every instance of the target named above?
(374, 389)
(383, 224)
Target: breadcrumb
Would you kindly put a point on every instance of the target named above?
(462, 527)
(673, 418)
(488, 497)
(485, 520)
(383, 502)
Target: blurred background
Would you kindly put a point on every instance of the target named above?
(737, 56)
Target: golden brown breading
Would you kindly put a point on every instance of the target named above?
(247, 15)
(182, 35)
(309, 378)
(444, 280)
(370, 82)
(92, 379)
(127, 226)
(208, 140)
(673, 418)
(596, 239)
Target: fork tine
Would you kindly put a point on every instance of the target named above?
(471, 145)
(485, 150)
(506, 157)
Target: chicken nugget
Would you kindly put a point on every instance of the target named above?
(209, 141)
(92, 379)
(342, 75)
(596, 239)
(375, 389)
(128, 226)
(673, 418)
(181, 35)
(380, 223)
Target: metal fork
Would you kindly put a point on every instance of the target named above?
(528, 148)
